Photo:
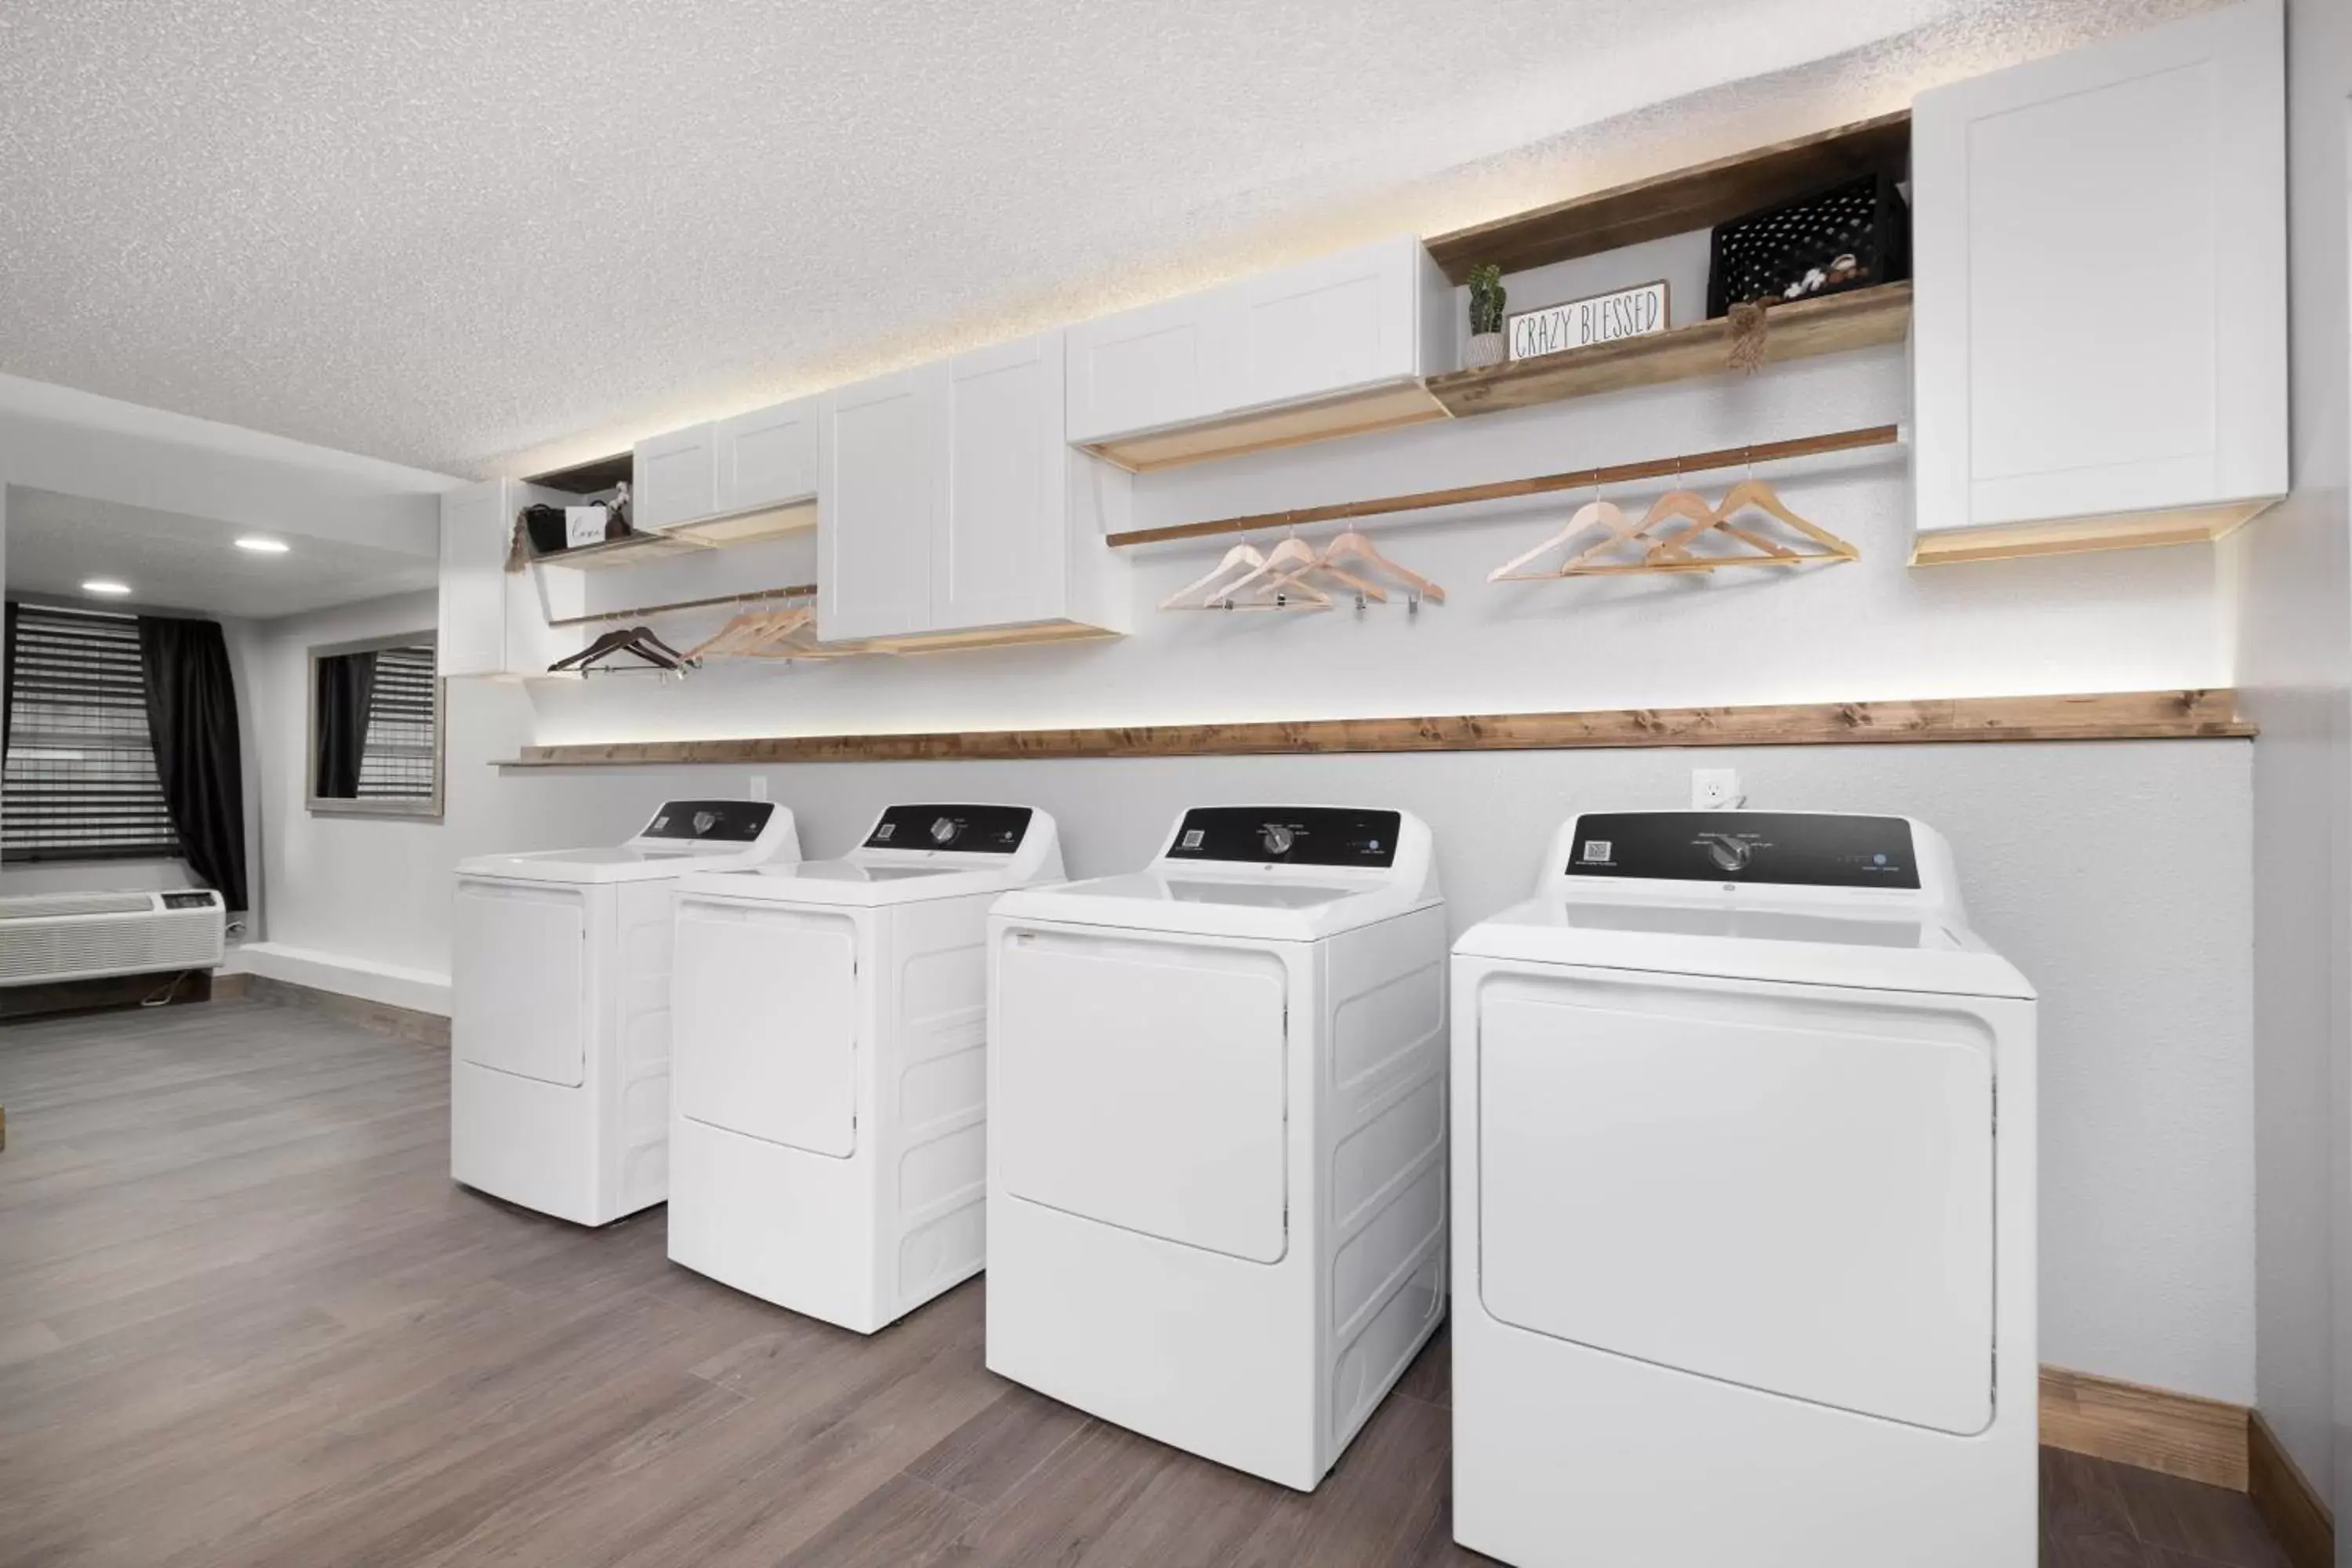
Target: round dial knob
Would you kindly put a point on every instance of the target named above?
(944, 831)
(1728, 852)
(1277, 838)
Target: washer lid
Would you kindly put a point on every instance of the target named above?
(683, 836)
(856, 884)
(1810, 943)
(1203, 904)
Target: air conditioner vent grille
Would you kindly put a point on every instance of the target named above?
(78, 946)
(48, 905)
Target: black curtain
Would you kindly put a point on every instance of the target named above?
(346, 688)
(191, 718)
(8, 686)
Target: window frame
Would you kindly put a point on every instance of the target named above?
(84, 853)
(420, 810)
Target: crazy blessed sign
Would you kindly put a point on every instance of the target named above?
(1580, 324)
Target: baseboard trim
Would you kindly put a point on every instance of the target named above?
(2298, 1516)
(2180, 1435)
(395, 985)
(399, 1023)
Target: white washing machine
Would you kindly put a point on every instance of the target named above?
(559, 1008)
(1743, 1206)
(1216, 1193)
(828, 1144)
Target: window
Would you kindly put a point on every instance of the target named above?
(375, 728)
(397, 761)
(78, 781)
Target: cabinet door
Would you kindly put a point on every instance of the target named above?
(1327, 326)
(675, 478)
(998, 561)
(1141, 370)
(475, 530)
(767, 457)
(881, 483)
(2099, 256)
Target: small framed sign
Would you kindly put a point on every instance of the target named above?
(1603, 318)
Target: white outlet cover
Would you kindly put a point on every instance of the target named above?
(1712, 789)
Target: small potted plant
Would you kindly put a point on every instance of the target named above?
(1486, 298)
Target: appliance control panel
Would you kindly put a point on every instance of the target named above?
(968, 829)
(710, 821)
(1288, 835)
(203, 900)
(1797, 849)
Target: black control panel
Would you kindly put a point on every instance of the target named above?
(191, 901)
(1288, 835)
(711, 821)
(972, 829)
(1778, 848)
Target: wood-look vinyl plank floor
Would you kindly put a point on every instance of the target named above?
(245, 1318)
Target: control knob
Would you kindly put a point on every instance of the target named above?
(1729, 853)
(1277, 838)
(944, 831)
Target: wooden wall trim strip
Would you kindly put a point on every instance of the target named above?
(2104, 716)
(2153, 1428)
(2298, 1516)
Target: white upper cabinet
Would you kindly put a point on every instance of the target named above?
(2100, 323)
(674, 478)
(767, 457)
(475, 528)
(729, 482)
(953, 509)
(1326, 347)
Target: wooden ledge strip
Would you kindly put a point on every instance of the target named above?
(2107, 716)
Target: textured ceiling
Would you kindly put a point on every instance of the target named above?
(58, 542)
(480, 237)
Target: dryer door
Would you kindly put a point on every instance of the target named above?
(764, 1023)
(519, 978)
(1785, 1188)
(1142, 1083)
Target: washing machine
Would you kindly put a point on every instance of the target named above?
(559, 1008)
(828, 1139)
(1743, 1206)
(1216, 1193)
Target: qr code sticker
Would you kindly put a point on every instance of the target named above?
(1598, 848)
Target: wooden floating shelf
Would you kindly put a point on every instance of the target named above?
(633, 550)
(2069, 536)
(1863, 317)
(1698, 197)
(1388, 408)
(2105, 716)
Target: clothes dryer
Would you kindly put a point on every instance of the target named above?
(559, 1008)
(1216, 1204)
(1743, 1206)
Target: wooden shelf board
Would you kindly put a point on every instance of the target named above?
(2105, 716)
(1863, 317)
(629, 551)
(1676, 202)
(1372, 409)
(751, 526)
(2069, 536)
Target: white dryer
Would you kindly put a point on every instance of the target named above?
(1743, 1206)
(828, 1144)
(559, 1023)
(1216, 1197)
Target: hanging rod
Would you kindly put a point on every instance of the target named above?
(794, 590)
(1541, 484)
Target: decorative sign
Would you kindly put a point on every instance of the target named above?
(1580, 324)
(584, 525)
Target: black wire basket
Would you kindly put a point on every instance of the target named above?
(1853, 236)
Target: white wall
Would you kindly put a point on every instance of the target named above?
(2296, 653)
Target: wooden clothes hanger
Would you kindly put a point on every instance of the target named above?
(637, 641)
(1281, 564)
(1754, 492)
(1593, 513)
(1195, 594)
(1354, 548)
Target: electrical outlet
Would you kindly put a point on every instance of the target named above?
(1714, 789)
(759, 786)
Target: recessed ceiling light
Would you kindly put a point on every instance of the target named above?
(106, 586)
(261, 546)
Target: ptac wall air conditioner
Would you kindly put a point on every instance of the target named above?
(76, 936)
